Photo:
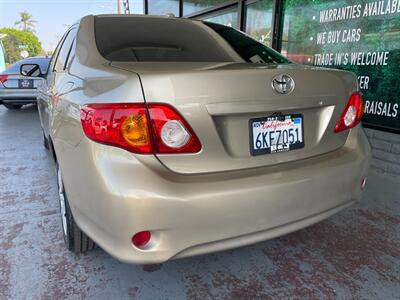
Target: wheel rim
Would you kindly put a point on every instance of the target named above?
(61, 195)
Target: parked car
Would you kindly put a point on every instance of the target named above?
(176, 137)
(17, 90)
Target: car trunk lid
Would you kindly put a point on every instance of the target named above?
(219, 100)
(15, 81)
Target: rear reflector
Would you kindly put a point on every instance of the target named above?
(3, 78)
(141, 239)
(139, 128)
(352, 114)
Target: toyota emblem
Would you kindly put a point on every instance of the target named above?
(283, 84)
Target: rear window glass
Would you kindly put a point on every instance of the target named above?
(248, 48)
(147, 39)
(15, 68)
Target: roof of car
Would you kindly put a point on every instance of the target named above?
(171, 17)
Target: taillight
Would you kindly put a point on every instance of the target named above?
(121, 125)
(139, 128)
(3, 78)
(172, 133)
(352, 114)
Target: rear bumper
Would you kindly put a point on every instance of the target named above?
(115, 194)
(18, 96)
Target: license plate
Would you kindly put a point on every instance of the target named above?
(25, 83)
(276, 134)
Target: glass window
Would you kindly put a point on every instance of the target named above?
(156, 39)
(300, 22)
(43, 63)
(359, 36)
(135, 6)
(227, 18)
(177, 40)
(70, 54)
(55, 53)
(259, 20)
(163, 7)
(192, 6)
(64, 51)
(249, 49)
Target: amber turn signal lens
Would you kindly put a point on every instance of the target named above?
(135, 130)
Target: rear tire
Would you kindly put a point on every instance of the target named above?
(12, 106)
(75, 239)
(46, 143)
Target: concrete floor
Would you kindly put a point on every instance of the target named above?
(355, 254)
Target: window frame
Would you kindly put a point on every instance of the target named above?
(70, 53)
(226, 10)
(55, 54)
(179, 2)
(277, 16)
(60, 46)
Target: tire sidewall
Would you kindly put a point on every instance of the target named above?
(67, 231)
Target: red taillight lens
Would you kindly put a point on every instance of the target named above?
(139, 128)
(3, 78)
(352, 114)
(121, 125)
(141, 239)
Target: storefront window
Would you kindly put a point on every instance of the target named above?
(259, 21)
(136, 6)
(163, 7)
(227, 18)
(192, 6)
(359, 36)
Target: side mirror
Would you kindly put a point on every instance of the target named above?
(31, 70)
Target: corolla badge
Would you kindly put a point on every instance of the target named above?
(283, 84)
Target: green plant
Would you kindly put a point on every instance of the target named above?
(14, 39)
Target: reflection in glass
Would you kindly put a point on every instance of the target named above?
(301, 22)
(135, 6)
(342, 42)
(248, 48)
(169, 40)
(192, 6)
(259, 21)
(157, 7)
(227, 18)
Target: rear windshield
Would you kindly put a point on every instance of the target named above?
(248, 48)
(43, 62)
(146, 39)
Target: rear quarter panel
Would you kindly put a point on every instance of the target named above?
(87, 79)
